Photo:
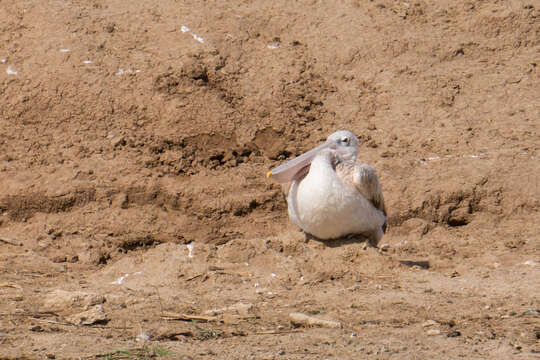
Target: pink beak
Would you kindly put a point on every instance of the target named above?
(292, 169)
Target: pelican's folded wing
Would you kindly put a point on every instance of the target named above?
(366, 182)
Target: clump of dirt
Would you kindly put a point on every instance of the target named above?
(135, 217)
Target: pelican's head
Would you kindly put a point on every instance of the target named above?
(343, 142)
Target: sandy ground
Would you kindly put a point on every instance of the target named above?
(136, 221)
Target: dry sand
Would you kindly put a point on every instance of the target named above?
(134, 211)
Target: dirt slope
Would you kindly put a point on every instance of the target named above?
(134, 139)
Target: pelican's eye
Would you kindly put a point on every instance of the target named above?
(345, 140)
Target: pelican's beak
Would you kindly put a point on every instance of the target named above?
(291, 169)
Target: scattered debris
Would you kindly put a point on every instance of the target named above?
(11, 71)
(299, 319)
(120, 280)
(190, 249)
(198, 38)
(531, 263)
(127, 71)
(64, 50)
(466, 156)
(185, 29)
(87, 61)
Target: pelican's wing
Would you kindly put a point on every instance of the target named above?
(364, 178)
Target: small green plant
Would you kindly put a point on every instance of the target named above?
(206, 333)
(119, 354)
(160, 351)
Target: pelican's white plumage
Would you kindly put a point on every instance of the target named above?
(330, 194)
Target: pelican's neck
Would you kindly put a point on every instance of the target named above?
(326, 160)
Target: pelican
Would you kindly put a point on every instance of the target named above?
(330, 195)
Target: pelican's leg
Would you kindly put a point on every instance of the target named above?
(375, 237)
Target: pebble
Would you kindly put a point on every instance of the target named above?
(94, 315)
(429, 323)
(433, 332)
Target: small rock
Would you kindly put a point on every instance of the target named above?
(454, 333)
(61, 300)
(93, 256)
(429, 323)
(118, 140)
(94, 300)
(94, 315)
(120, 201)
(299, 319)
(531, 312)
(59, 259)
(433, 332)
(110, 27)
(175, 333)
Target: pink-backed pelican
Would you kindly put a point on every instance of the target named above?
(330, 195)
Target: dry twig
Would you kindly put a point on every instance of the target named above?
(186, 317)
(276, 332)
(11, 285)
(10, 241)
